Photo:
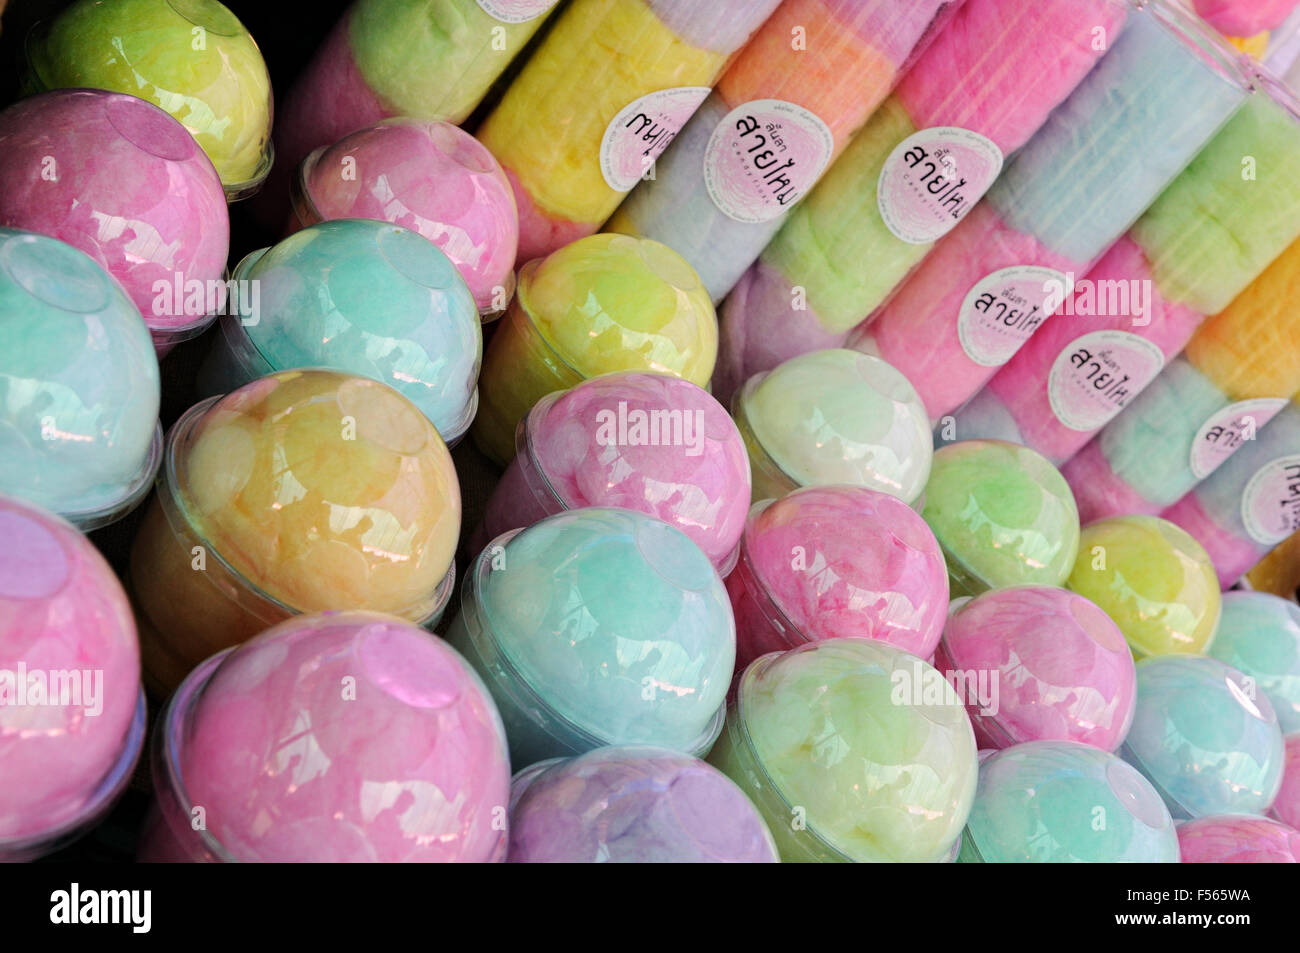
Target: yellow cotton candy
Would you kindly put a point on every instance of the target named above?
(601, 55)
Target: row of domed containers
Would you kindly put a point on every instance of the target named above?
(604, 624)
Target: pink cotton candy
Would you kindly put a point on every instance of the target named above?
(64, 621)
(329, 100)
(1244, 18)
(837, 562)
(336, 737)
(1022, 385)
(646, 442)
(917, 331)
(1098, 491)
(1238, 839)
(540, 233)
(1286, 806)
(999, 68)
(1232, 555)
(1062, 668)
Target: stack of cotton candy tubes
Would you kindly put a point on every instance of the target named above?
(1161, 93)
(837, 257)
(428, 59)
(1251, 503)
(600, 99)
(780, 114)
(1236, 373)
(1208, 236)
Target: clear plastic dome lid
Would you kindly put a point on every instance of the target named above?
(349, 736)
(1153, 579)
(1238, 839)
(1259, 635)
(1003, 514)
(837, 416)
(1063, 802)
(634, 804)
(432, 178)
(866, 739)
(848, 562)
(648, 442)
(1063, 670)
(69, 671)
(372, 299)
(123, 181)
(322, 490)
(192, 58)
(1205, 737)
(79, 387)
(617, 621)
(615, 303)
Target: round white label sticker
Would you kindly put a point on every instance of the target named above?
(1004, 309)
(642, 130)
(932, 179)
(1270, 507)
(763, 157)
(1223, 434)
(1096, 376)
(515, 11)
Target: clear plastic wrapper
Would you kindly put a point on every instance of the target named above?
(1206, 741)
(192, 58)
(406, 751)
(597, 627)
(358, 296)
(832, 562)
(71, 710)
(1153, 579)
(79, 387)
(641, 441)
(303, 491)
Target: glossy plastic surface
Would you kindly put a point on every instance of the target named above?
(79, 388)
(630, 805)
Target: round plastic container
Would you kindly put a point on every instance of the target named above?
(603, 303)
(599, 627)
(1065, 802)
(830, 562)
(834, 416)
(124, 182)
(1202, 736)
(300, 492)
(647, 442)
(633, 805)
(851, 752)
(1003, 515)
(79, 388)
(430, 177)
(1054, 668)
(1259, 636)
(1286, 806)
(360, 296)
(1238, 839)
(192, 58)
(338, 737)
(1153, 579)
(71, 709)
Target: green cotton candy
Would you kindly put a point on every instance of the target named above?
(1230, 213)
(447, 38)
(834, 239)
